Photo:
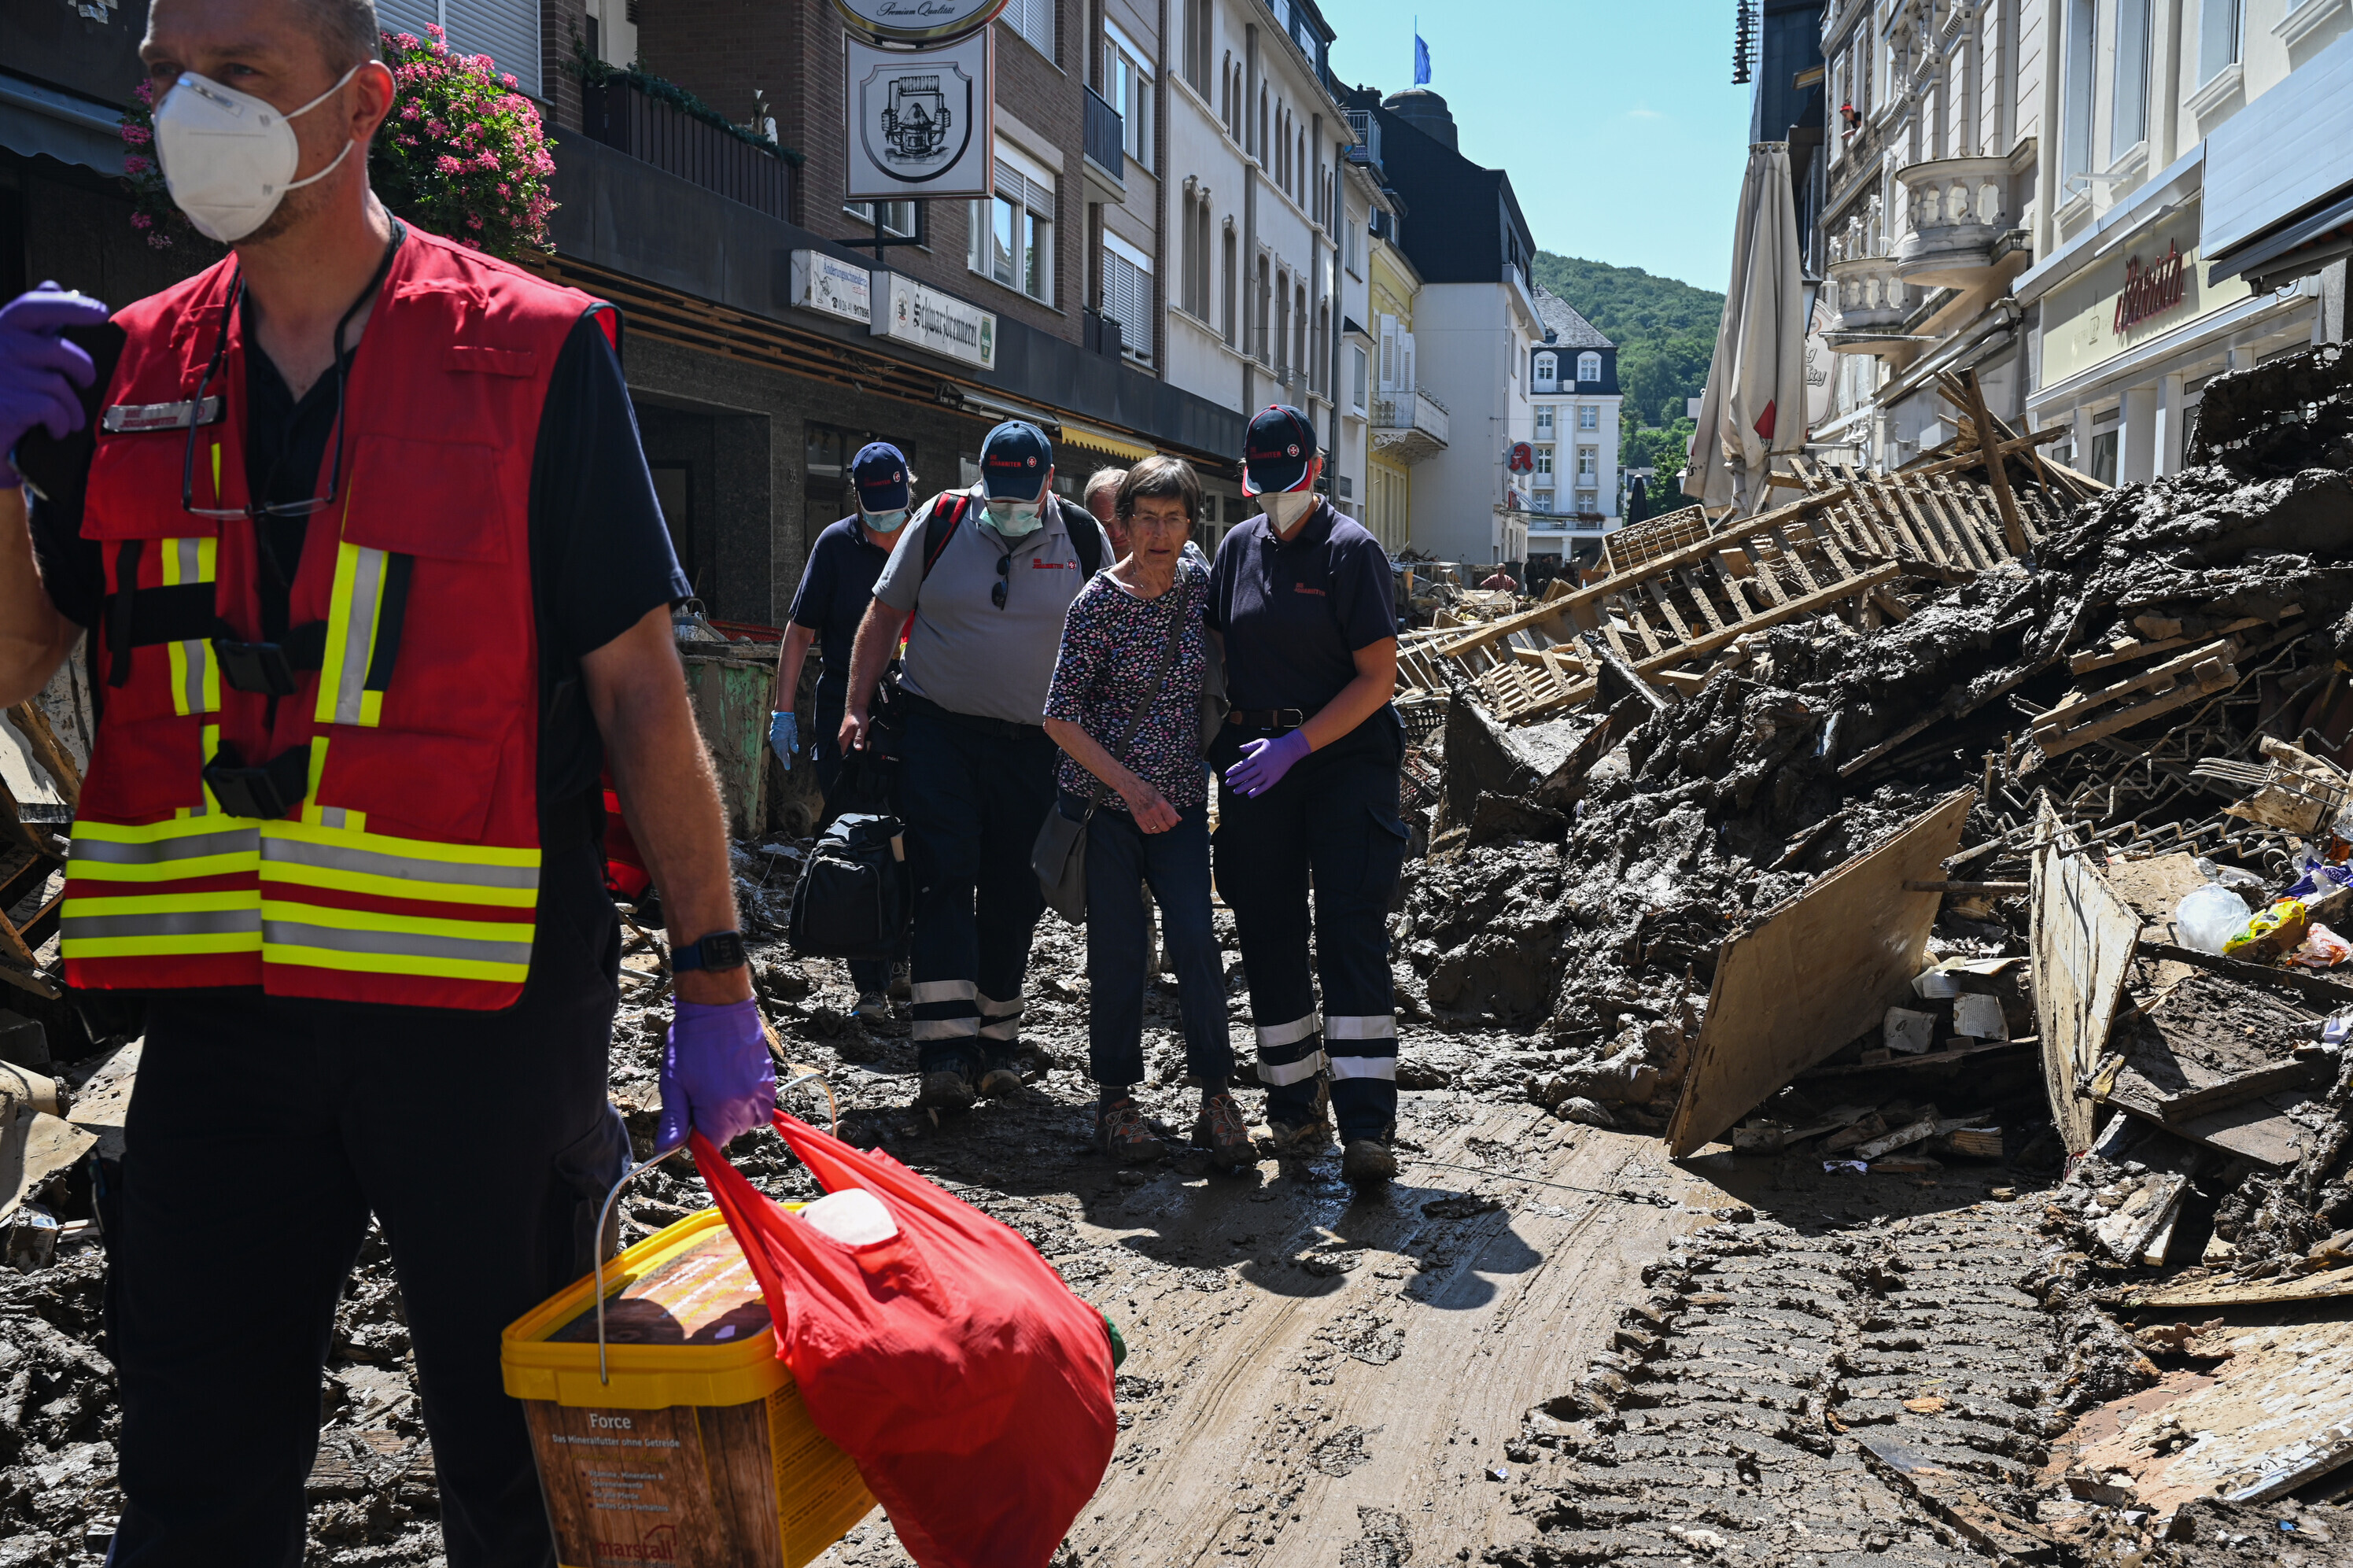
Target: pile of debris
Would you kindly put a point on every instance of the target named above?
(1909, 823)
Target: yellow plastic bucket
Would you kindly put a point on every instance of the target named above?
(698, 1450)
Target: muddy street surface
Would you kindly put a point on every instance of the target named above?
(1546, 1345)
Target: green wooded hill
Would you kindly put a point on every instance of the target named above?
(1664, 329)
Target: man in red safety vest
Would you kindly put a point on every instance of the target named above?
(374, 582)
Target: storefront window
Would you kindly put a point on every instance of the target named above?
(2103, 457)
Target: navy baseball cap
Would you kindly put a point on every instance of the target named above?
(1277, 450)
(1015, 461)
(880, 471)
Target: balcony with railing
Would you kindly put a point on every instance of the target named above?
(1105, 144)
(1409, 425)
(1957, 212)
(624, 116)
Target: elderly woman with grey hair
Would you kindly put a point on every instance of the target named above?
(1150, 806)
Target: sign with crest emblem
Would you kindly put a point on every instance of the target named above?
(919, 121)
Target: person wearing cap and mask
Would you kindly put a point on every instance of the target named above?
(981, 579)
(836, 587)
(1309, 761)
(373, 572)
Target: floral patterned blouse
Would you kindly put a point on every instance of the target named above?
(1111, 643)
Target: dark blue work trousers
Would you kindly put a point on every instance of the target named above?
(975, 795)
(1121, 858)
(1333, 822)
(262, 1133)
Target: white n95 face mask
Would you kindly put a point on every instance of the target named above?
(228, 157)
(1285, 507)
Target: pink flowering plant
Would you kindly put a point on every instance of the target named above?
(462, 154)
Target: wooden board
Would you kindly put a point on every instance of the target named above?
(2276, 1414)
(2202, 1294)
(1815, 972)
(2083, 935)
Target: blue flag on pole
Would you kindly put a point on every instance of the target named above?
(1420, 60)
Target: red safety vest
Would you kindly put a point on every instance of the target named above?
(371, 834)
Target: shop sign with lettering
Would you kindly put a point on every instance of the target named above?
(918, 21)
(2151, 290)
(941, 324)
(838, 288)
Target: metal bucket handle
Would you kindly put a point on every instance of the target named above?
(604, 1214)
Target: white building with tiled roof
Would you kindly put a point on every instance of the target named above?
(1573, 387)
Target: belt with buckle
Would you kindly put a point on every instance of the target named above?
(1267, 718)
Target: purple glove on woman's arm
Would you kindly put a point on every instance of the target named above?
(1264, 762)
(716, 1074)
(39, 371)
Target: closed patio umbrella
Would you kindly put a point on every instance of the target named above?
(1754, 403)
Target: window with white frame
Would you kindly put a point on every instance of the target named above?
(1547, 372)
(1013, 231)
(1588, 366)
(2129, 126)
(1034, 21)
(2075, 108)
(1543, 463)
(1128, 84)
(1127, 295)
(1589, 418)
(1589, 459)
(1359, 366)
(898, 216)
(2218, 38)
(1588, 501)
(1544, 420)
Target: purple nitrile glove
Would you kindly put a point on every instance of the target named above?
(1264, 762)
(39, 371)
(716, 1073)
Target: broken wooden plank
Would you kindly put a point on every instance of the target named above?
(1974, 889)
(2205, 678)
(2329, 992)
(1997, 472)
(2277, 1292)
(1818, 970)
(1928, 1059)
(2084, 663)
(2084, 938)
(1955, 1498)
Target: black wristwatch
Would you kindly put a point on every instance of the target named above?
(718, 950)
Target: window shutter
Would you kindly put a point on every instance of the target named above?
(506, 30)
(1405, 360)
(1388, 351)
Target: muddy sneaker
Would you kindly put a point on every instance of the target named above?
(950, 1088)
(1221, 1130)
(875, 1007)
(1367, 1163)
(1308, 1136)
(1000, 1080)
(1120, 1132)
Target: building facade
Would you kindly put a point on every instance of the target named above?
(1573, 387)
(1466, 354)
(1407, 425)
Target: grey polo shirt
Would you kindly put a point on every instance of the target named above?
(964, 653)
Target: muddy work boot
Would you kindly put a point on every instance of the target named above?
(1001, 1079)
(1121, 1133)
(1300, 1128)
(1368, 1162)
(947, 1088)
(875, 1007)
(1221, 1130)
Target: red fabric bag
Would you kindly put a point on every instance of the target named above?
(971, 1387)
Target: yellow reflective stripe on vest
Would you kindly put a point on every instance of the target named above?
(172, 850)
(326, 816)
(296, 856)
(138, 920)
(351, 624)
(195, 674)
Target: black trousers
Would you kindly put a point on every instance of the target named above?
(261, 1135)
(1331, 823)
(974, 796)
(825, 755)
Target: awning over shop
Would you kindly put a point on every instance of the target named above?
(2279, 170)
(2289, 252)
(42, 122)
(1097, 441)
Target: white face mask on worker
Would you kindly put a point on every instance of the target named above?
(1016, 519)
(1288, 506)
(229, 157)
(885, 522)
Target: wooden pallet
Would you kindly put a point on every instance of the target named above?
(2090, 713)
(29, 853)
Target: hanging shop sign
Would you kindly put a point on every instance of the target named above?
(957, 329)
(2151, 290)
(918, 21)
(1522, 457)
(838, 288)
(919, 122)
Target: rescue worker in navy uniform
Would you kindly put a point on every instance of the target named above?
(371, 562)
(1309, 762)
(837, 587)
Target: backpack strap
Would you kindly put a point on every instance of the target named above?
(939, 526)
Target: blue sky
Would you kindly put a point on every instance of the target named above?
(1623, 134)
